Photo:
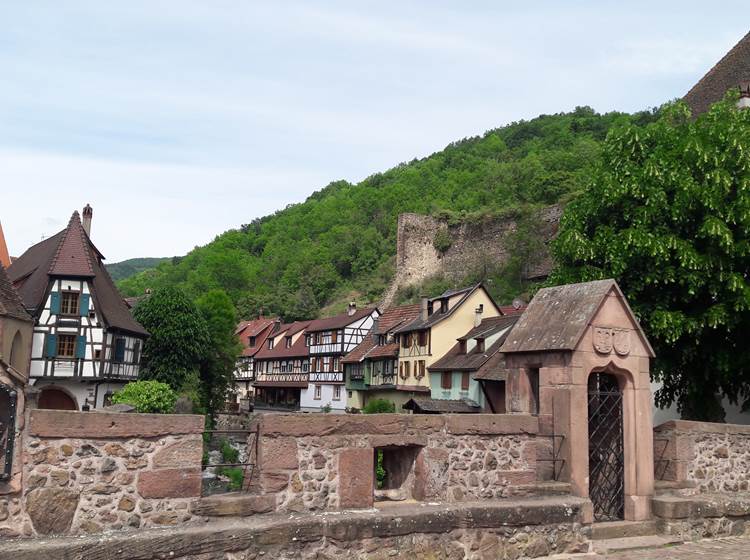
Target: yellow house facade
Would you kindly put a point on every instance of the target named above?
(443, 319)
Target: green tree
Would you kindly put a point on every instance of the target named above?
(668, 216)
(179, 338)
(217, 365)
(147, 396)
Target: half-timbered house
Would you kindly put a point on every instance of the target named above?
(86, 344)
(442, 320)
(370, 369)
(252, 335)
(328, 341)
(282, 367)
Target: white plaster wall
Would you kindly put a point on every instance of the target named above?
(307, 402)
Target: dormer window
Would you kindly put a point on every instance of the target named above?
(69, 303)
(462, 346)
(429, 308)
(270, 343)
(480, 345)
(382, 340)
(443, 306)
(288, 342)
(251, 342)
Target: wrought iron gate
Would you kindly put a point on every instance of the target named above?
(606, 465)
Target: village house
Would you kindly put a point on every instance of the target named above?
(282, 366)
(328, 341)
(252, 335)
(470, 377)
(370, 369)
(441, 321)
(86, 344)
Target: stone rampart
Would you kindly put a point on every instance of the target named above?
(319, 462)
(711, 457)
(89, 472)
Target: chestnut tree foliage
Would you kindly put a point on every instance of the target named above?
(668, 216)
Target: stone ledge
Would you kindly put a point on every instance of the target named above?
(491, 424)
(219, 537)
(234, 505)
(69, 424)
(701, 506)
(689, 426)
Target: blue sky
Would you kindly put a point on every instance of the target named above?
(179, 120)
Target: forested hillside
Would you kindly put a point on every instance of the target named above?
(341, 241)
(126, 269)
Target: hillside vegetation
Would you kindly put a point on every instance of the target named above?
(126, 269)
(341, 242)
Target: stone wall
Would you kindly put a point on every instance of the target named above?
(311, 463)
(472, 246)
(89, 472)
(711, 457)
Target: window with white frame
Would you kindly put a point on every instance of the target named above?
(317, 395)
(337, 393)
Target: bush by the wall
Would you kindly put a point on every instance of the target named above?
(379, 406)
(147, 396)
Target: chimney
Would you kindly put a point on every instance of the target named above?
(352, 309)
(478, 314)
(423, 308)
(276, 324)
(88, 213)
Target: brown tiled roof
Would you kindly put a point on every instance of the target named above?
(728, 73)
(391, 319)
(455, 360)
(338, 321)
(10, 302)
(253, 326)
(261, 326)
(557, 317)
(71, 253)
(437, 316)
(437, 406)
(297, 350)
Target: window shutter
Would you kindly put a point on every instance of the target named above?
(446, 381)
(50, 345)
(81, 347)
(334, 336)
(84, 304)
(54, 303)
(465, 381)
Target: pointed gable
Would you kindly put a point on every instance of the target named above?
(72, 257)
(4, 255)
(731, 71)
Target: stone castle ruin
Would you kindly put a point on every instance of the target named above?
(461, 247)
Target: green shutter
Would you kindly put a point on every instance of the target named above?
(81, 347)
(84, 304)
(50, 345)
(54, 304)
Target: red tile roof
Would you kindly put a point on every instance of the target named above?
(391, 319)
(259, 328)
(72, 257)
(338, 321)
(297, 350)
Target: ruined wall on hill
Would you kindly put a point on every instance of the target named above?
(472, 244)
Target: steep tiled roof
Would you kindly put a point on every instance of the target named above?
(455, 360)
(391, 319)
(71, 253)
(437, 406)
(10, 302)
(253, 326)
(557, 317)
(246, 329)
(297, 350)
(728, 73)
(338, 321)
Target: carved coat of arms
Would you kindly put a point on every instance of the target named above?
(607, 339)
(603, 340)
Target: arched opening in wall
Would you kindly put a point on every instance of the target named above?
(16, 352)
(55, 398)
(606, 447)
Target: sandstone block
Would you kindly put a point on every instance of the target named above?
(170, 483)
(181, 454)
(491, 424)
(356, 477)
(234, 506)
(126, 504)
(279, 453)
(274, 481)
(51, 510)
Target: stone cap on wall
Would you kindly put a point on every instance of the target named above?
(303, 425)
(63, 424)
(702, 427)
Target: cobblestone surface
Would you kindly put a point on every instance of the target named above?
(730, 548)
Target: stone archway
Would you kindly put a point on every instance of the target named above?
(16, 351)
(56, 398)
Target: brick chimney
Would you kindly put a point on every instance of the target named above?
(88, 213)
(423, 312)
(478, 314)
(352, 309)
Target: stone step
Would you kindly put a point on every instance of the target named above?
(634, 543)
(670, 487)
(622, 529)
(233, 505)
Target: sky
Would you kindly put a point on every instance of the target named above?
(178, 120)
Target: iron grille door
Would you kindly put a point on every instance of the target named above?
(606, 465)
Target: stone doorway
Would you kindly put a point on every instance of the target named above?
(54, 398)
(606, 448)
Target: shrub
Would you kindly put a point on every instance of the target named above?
(326, 408)
(379, 406)
(442, 241)
(235, 476)
(147, 396)
(229, 453)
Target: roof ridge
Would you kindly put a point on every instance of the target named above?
(70, 244)
(713, 69)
